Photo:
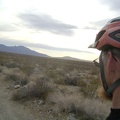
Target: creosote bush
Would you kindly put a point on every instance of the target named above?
(71, 80)
(20, 79)
(89, 89)
(20, 93)
(84, 109)
(39, 89)
(12, 64)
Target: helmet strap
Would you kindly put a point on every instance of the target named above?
(113, 86)
(109, 91)
(105, 86)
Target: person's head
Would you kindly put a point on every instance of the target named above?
(108, 42)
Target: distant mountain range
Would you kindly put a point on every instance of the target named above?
(26, 51)
(68, 58)
(20, 50)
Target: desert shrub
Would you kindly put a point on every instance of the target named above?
(89, 89)
(39, 89)
(12, 64)
(84, 109)
(27, 69)
(59, 80)
(82, 83)
(20, 93)
(71, 80)
(51, 74)
(94, 72)
(20, 79)
(55, 73)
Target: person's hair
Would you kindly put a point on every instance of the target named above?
(115, 52)
(102, 95)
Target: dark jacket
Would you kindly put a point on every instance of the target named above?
(114, 115)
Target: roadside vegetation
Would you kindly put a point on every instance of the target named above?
(59, 87)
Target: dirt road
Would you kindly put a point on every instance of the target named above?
(10, 110)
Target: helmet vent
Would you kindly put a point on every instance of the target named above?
(100, 34)
(115, 35)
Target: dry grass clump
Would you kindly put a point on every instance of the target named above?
(40, 88)
(12, 64)
(89, 89)
(56, 73)
(71, 80)
(20, 93)
(83, 108)
(17, 77)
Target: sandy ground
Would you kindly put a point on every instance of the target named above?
(10, 110)
(14, 110)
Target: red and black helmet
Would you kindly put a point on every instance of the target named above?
(107, 38)
(109, 35)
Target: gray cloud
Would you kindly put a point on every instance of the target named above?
(46, 23)
(90, 27)
(11, 42)
(96, 25)
(53, 48)
(112, 4)
(7, 28)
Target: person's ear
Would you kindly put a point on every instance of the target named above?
(111, 64)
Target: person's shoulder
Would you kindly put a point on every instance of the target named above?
(114, 115)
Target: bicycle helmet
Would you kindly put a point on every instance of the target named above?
(109, 36)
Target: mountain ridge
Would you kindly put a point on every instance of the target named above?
(26, 51)
(20, 50)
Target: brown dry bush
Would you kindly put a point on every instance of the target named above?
(55, 73)
(12, 64)
(71, 80)
(41, 88)
(18, 79)
(84, 109)
(27, 69)
(20, 93)
(89, 89)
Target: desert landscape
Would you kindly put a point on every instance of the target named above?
(50, 88)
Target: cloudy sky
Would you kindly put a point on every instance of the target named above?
(55, 27)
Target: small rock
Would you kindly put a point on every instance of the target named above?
(40, 102)
(71, 117)
(8, 87)
(35, 101)
(16, 86)
(50, 110)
